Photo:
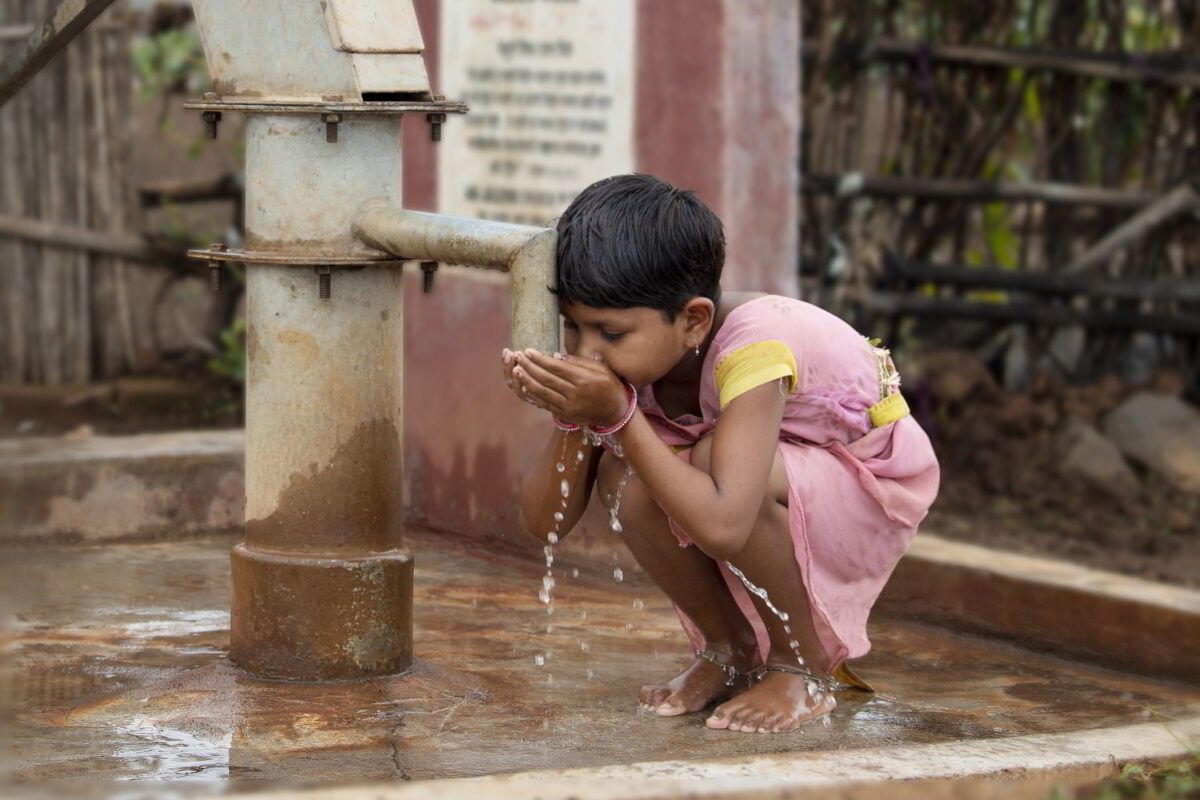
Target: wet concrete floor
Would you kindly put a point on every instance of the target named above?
(117, 670)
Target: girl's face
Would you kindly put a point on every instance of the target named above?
(638, 344)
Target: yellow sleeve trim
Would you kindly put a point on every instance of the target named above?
(888, 410)
(752, 365)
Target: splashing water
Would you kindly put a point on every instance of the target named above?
(812, 683)
(614, 510)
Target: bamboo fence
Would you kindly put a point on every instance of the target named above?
(69, 314)
(1040, 137)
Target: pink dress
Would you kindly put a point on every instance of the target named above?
(857, 492)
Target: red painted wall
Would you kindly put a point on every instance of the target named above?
(717, 111)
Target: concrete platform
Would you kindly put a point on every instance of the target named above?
(118, 488)
(118, 672)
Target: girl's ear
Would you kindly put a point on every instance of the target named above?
(698, 315)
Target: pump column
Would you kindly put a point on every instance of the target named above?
(322, 584)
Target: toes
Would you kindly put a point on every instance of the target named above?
(741, 720)
(720, 718)
(671, 707)
(652, 696)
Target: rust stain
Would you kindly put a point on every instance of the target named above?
(302, 347)
(351, 504)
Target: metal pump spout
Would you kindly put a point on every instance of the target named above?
(527, 253)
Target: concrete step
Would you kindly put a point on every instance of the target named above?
(110, 488)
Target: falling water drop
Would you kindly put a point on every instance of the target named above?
(579, 456)
(574, 572)
(565, 488)
(561, 467)
(628, 626)
(544, 596)
(558, 516)
(618, 575)
(584, 646)
(813, 683)
(638, 604)
(540, 660)
(552, 537)
(590, 674)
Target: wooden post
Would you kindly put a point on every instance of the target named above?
(46, 41)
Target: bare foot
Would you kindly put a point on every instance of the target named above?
(778, 703)
(693, 689)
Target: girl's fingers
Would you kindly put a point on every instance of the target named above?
(531, 388)
(545, 376)
(506, 365)
(564, 366)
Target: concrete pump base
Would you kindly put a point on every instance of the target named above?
(320, 618)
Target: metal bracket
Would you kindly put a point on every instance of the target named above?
(296, 259)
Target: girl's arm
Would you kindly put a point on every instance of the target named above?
(541, 488)
(717, 509)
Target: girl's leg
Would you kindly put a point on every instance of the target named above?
(780, 702)
(693, 582)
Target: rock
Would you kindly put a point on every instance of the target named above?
(955, 375)
(1085, 453)
(1160, 432)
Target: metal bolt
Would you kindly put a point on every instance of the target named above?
(435, 125)
(323, 282)
(215, 272)
(331, 126)
(428, 270)
(211, 118)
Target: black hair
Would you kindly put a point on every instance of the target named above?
(636, 240)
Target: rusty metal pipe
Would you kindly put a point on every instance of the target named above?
(528, 253)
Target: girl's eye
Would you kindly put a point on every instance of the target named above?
(612, 337)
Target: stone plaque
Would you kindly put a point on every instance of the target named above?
(550, 84)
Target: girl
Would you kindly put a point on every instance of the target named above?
(768, 474)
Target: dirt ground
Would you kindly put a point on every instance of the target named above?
(1002, 486)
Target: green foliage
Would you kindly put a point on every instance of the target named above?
(231, 362)
(169, 63)
(1175, 781)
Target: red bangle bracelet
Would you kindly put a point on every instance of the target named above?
(631, 392)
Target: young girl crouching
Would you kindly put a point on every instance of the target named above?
(768, 472)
